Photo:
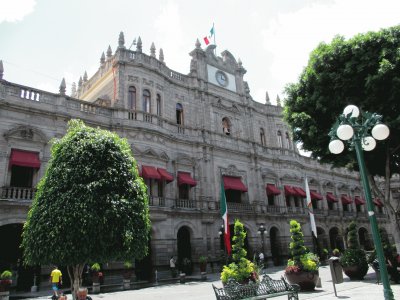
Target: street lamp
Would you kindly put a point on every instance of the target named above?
(355, 129)
(261, 231)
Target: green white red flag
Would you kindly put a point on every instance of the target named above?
(224, 214)
(310, 209)
(207, 38)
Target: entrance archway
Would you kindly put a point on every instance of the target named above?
(275, 246)
(336, 239)
(184, 250)
(11, 257)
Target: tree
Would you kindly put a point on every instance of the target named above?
(90, 206)
(364, 71)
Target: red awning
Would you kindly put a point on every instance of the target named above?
(24, 158)
(315, 196)
(346, 199)
(299, 192)
(289, 191)
(331, 198)
(272, 190)
(378, 202)
(150, 173)
(359, 201)
(234, 183)
(165, 175)
(186, 178)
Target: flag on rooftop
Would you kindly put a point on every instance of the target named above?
(207, 38)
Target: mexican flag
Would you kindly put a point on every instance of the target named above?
(310, 209)
(224, 214)
(207, 39)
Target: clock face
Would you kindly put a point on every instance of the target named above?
(221, 77)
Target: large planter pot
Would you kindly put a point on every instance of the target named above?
(354, 272)
(306, 280)
(5, 295)
(203, 266)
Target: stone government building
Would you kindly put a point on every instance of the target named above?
(187, 132)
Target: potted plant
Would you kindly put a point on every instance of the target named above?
(203, 263)
(5, 281)
(127, 275)
(336, 252)
(241, 269)
(303, 265)
(96, 272)
(353, 259)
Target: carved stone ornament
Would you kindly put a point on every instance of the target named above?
(133, 78)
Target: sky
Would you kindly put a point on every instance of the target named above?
(43, 41)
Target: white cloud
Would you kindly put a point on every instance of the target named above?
(15, 10)
(290, 37)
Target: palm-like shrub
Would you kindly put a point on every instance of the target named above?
(241, 269)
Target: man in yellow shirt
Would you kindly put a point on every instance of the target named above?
(55, 279)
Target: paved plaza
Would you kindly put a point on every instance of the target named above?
(362, 290)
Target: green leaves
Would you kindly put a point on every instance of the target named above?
(90, 205)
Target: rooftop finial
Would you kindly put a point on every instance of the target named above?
(85, 77)
(121, 40)
(63, 87)
(267, 100)
(153, 50)
(197, 44)
(139, 45)
(80, 82)
(278, 100)
(161, 55)
(102, 58)
(73, 90)
(109, 52)
(240, 62)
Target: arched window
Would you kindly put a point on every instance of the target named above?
(226, 126)
(132, 98)
(146, 101)
(287, 140)
(179, 114)
(280, 139)
(158, 105)
(262, 137)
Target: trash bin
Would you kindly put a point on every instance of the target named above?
(336, 270)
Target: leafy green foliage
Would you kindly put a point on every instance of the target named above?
(241, 269)
(301, 257)
(91, 205)
(364, 71)
(352, 236)
(6, 274)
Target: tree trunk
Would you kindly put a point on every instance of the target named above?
(75, 275)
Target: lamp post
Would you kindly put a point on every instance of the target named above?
(356, 129)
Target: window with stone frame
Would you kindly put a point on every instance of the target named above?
(158, 100)
(331, 205)
(287, 140)
(179, 114)
(146, 101)
(132, 98)
(262, 137)
(22, 176)
(226, 126)
(279, 134)
(184, 191)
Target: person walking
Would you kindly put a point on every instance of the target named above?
(172, 266)
(261, 259)
(55, 279)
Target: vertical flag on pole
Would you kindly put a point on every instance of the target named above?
(310, 210)
(224, 214)
(207, 38)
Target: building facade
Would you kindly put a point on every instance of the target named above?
(188, 133)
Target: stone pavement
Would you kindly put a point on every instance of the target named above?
(366, 289)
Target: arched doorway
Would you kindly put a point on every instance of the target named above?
(11, 257)
(335, 239)
(363, 238)
(184, 250)
(275, 246)
(322, 243)
(144, 267)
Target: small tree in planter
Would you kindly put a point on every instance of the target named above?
(5, 281)
(241, 269)
(354, 260)
(203, 263)
(303, 265)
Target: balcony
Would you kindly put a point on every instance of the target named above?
(17, 193)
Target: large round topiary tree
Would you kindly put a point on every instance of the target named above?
(91, 205)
